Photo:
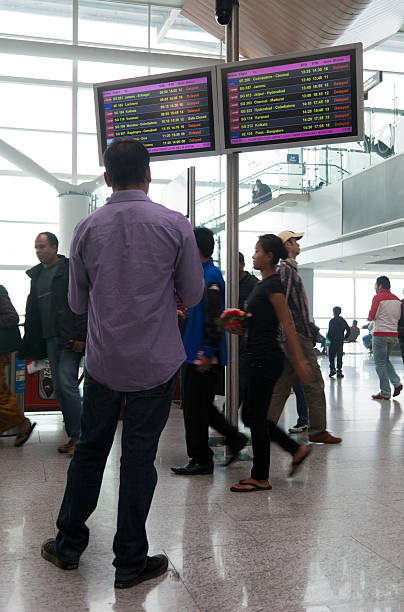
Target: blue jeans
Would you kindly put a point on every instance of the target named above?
(301, 406)
(382, 346)
(65, 373)
(144, 417)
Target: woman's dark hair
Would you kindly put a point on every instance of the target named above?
(337, 311)
(383, 281)
(53, 241)
(272, 244)
(126, 161)
(205, 241)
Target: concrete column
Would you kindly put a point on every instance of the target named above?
(72, 208)
(307, 276)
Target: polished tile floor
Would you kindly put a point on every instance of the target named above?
(329, 540)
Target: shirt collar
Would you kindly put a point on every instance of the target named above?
(207, 263)
(292, 262)
(128, 195)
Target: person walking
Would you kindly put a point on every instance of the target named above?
(267, 307)
(385, 312)
(128, 259)
(298, 305)
(52, 330)
(338, 333)
(11, 414)
(205, 346)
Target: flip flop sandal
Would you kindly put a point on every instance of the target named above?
(22, 438)
(254, 488)
(297, 464)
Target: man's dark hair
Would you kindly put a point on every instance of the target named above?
(383, 281)
(205, 241)
(337, 311)
(53, 241)
(241, 258)
(273, 244)
(354, 322)
(126, 161)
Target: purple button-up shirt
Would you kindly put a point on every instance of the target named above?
(126, 261)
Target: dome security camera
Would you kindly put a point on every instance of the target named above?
(223, 11)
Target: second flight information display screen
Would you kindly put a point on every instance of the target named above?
(166, 116)
(299, 99)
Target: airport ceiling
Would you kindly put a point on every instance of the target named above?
(269, 27)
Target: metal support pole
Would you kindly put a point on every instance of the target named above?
(232, 229)
(191, 195)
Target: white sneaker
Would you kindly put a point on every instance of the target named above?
(297, 429)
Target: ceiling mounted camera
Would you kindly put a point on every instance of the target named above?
(223, 11)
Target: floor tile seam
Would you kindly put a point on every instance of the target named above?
(166, 552)
(400, 569)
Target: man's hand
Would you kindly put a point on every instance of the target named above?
(204, 364)
(77, 346)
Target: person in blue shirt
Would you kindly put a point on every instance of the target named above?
(205, 346)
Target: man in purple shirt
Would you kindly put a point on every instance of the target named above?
(127, 260)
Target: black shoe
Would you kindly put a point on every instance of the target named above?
(333, 371)
(155, 566)
(48, 552)
(193, 468)
(236, 447)
(340, 374)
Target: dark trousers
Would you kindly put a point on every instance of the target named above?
(200, 413)
(301, 405)
(336, 349)
(261, 379)
(144, 417)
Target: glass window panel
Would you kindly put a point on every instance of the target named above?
(35, 106)
(397, 287)
(365, 290)
(86, 111)
(169, 30)
(35, 67)
(17, 284)
(330, 292)
(38, 19)
(113, 23)
(99, 72)
(17, 242)
(28, 199)
(51, 151)
(87, 155)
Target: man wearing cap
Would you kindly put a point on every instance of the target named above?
(298, 304)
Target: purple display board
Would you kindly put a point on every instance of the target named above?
(290, 101)
(172, 115)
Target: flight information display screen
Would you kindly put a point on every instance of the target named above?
(273, 103)
(170, 114)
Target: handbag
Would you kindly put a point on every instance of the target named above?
(10, 339)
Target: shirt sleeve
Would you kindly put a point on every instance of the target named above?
(212, 335)
(188, 274)
(78, 279)
(373, 308)
(276, 286)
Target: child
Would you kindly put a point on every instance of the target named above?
(336, 336)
